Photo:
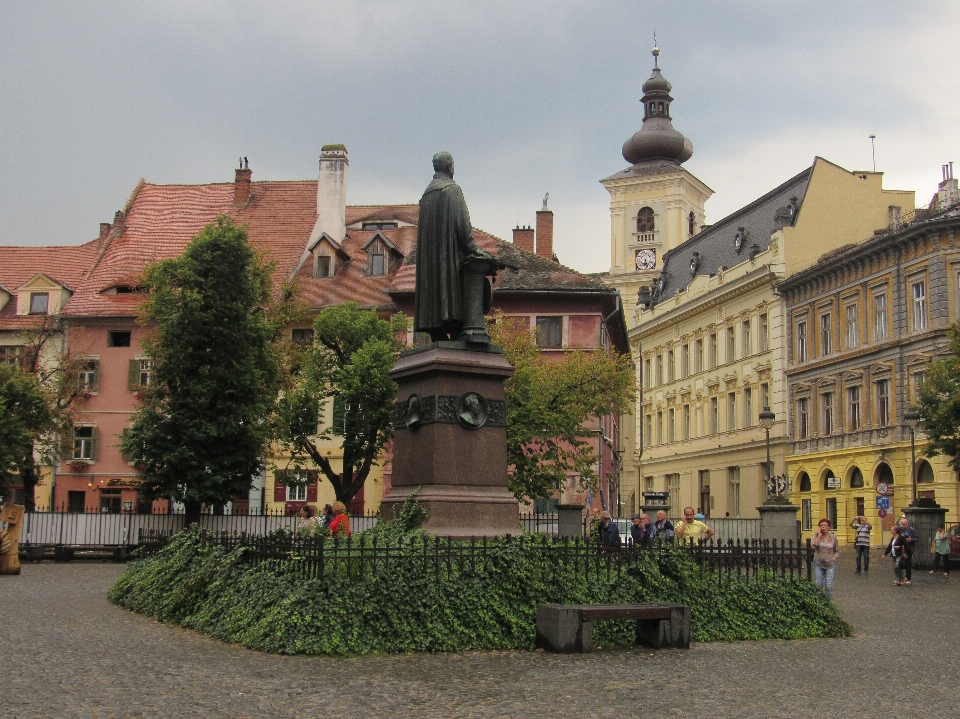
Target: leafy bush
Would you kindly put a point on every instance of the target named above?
(268, 607)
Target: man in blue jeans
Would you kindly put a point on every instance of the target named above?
(862, 544)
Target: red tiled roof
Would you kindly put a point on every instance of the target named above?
(64, 264)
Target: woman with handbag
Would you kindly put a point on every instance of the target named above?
(825, 556)
(896, 548)
(941, 551)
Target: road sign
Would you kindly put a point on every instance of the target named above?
(882, 488)
(883, 502)
(882, 513)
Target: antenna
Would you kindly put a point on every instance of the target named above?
(656, 50)
(873, 151)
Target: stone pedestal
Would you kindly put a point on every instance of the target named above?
(778, 522)
(924, 521)
(570, 520)
(450, 440)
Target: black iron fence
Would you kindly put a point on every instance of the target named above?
(362, 557)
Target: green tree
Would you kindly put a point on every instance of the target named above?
(347, 367)
(548, 403)
(24, 416)
(938, 404)
(202, 430)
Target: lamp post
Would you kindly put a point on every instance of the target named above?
(912, 419)
(766, 421)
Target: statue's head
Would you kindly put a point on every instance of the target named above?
(443, 162)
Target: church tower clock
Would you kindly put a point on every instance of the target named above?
(655, 204)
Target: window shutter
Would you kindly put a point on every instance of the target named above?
(312, 476)
(94, 443)
(66, 444)
(96, 377)
(338, 415)
(124, 455)
(279, 488)
(133, 375)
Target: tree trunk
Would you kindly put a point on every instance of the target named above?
(191, 511)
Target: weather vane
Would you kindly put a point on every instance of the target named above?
(656, 50)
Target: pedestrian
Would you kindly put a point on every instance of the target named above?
(640, 530)
(862, 544)
(593, 528)
(609, 534)
(910, 538)
(941, 550)
(825, 556)
(327, 517)
(307, 522)
(662, 529)
(340, 526)
(896, 548)
(691, 529)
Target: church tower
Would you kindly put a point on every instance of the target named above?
(655, 204)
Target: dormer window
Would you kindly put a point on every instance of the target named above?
(377, 262)
(39, 302)
(645, 221)
(323, 265)
(327, 256)
(373, 226)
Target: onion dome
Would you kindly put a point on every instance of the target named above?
(656, 139)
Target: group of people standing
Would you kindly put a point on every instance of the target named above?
(334, 518)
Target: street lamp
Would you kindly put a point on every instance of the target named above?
(766, 421)
(912, 419)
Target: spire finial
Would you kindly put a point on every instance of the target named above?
(656, 50)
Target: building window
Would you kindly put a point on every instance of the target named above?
(686, 421)
(647, 373)
(691, 223)
(39, 302)
(714, 415)
(645, 221)
(853, 330)
(883, 402)
(763, 332)
(853, 411)
(296, 493)
(806, 514)
(731, 411)
(801, 341)
(747, 407)
(747, 338)
(699, 356)
(550, 332)
(764, 394)
(659, 427)
(704, 482)
(803, 411)
(919, 294)
(649, 427)
(856, 482)
(12, 355)
(304, 338)
(673, 486)
(880, 317)
(84, 443)
(733, 478)
(826, 335)
(379, 225)
(685, 361)
(826, 406)
(376, 259)
(671, 424)
(322, 266)
(670, 366)
(118, 339)
(803, 481)
(731, 344)
(832, 511)
(88, 378)
(712, 349)
(145, 372)
(916, 381)
(659, 368)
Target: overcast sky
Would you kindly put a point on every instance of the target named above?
(530, 97)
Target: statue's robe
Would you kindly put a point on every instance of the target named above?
(444, 239)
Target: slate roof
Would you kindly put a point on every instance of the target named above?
(716, 245)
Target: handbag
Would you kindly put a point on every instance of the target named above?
(933, 546)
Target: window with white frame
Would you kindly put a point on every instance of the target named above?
(659, 427)
(712, 349)
(714, 415)
(883, 402)
(659, 369)
(853, 409)
(647, 373)
(671, 425)
(733, 479)
(763, 332)
(803, 415)
(84, 442)
(826, 413)
(648, 426)
(88, 378)
(764, 394)
(699, 355)
(802, 341)
(673, 486)
(671, 360)
(747, 338)
(731, 344)
(880, 316)
(919, 294)
(731, 411)
(686, 421)
(826, 334)
(145, 374)
(747, 406)
(685, 361)
(853, 328)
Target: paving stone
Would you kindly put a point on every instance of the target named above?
(80, 656)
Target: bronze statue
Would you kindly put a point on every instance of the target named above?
(445, 247)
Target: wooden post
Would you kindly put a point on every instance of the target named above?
(12, 514)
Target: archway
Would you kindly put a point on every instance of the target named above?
(924, 472)
(830, 480)
(856, 478)
(884, 474)
(803, 480)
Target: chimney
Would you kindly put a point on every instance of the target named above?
(118, 226)
(332, 193)
(241, 187)
(545, 233)
(523, 238)
(104, 230)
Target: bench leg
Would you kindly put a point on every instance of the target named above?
(671, 633)
(561, 629)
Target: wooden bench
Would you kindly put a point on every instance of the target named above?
(569, 627)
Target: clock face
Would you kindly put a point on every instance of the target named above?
(646, 259)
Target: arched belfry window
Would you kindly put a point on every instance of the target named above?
(660, 108)
(645, 220)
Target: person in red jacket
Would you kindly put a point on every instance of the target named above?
(340, 526)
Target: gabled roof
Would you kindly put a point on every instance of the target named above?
(65, 265)
(716, 245)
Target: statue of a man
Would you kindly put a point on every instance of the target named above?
(444, 241)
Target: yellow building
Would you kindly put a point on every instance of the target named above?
(864, 322)
(710, 338)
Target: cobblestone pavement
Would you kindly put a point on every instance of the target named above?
(67, 652)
